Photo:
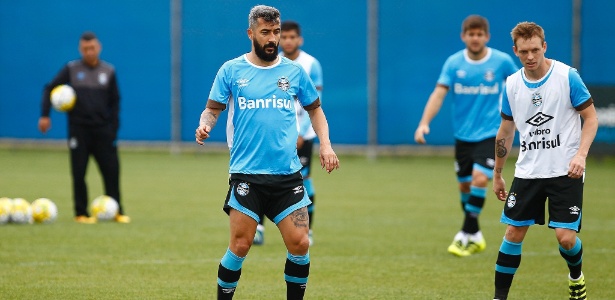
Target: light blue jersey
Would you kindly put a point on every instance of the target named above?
(262, 126)
(476, 88)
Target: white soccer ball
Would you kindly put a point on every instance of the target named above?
(63, 98)
(104, 208)
(21, 212)
(44, 210)
(5, 210)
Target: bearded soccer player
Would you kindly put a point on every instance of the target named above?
(260, 89)
(291, 42)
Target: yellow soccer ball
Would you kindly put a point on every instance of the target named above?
(5, 210)
(104, 208)
(44, 210)
(63, 98)
(21, 212)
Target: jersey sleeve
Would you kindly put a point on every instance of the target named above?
(445, 76)
(307, 92)
(506, 105)
(222, 86)
(579, 93)
(316, 76)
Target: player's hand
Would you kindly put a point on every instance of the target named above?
(499, 188)
(419, 134)
(300, 141)
(576, 167)
(44, 124)
(328, 158)
(202, 133)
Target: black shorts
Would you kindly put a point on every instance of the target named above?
(525, 204)
(275, 196)
(471, 155)
(305, 156)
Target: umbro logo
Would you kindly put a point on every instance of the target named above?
(574, 210)
(298, 189)
(539, 119)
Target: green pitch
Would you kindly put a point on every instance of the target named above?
(381, 232)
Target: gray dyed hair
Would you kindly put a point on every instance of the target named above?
(268, 13)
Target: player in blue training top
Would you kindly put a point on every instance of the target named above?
(260, 89)
(475, 76)
(545, 102)
(290, 42)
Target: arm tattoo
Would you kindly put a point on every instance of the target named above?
(300, 217)
(498, 170)
(210, 118)
(500, 148)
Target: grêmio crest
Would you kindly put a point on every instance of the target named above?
(536, 99)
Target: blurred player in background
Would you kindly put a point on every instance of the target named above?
(92, 123)
(291, 42)
(545, 101)
(475, 75)
(260, 89)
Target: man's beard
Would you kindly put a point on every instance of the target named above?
(262, 54)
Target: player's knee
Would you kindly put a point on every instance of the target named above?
(240, 246)
(299, 245)
(567, 241)
(480, 179)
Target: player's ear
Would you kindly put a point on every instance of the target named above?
(300, 41)
(250, 33)
(544, 46)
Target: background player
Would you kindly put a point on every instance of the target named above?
(543, 102)
(92, 124)
(260, 89)
(291, 41)
(476, 76)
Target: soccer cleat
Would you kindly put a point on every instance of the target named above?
(124, 219)
(85, 220)
(474, 247)
(310, 238)
(457, 248)
(259, 236)
(576, 288)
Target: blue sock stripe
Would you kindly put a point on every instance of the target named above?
(465, 197)
(231, 261)
(309, 186)
(299, 259)
(463, 179)
(227, 285)
(477, 191)
(488, 172)
(510, 248)
(295, 279)
(473, 209)
(505, 270)
(576, 263)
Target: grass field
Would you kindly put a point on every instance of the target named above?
(381, 232)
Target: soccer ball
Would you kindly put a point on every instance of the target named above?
(5, 210)
(21, 212)
(44, 210)
(104, 208)
(63, 98)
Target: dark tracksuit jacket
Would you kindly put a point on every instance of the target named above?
(92, 125)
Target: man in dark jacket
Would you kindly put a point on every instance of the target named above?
(92, 123)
